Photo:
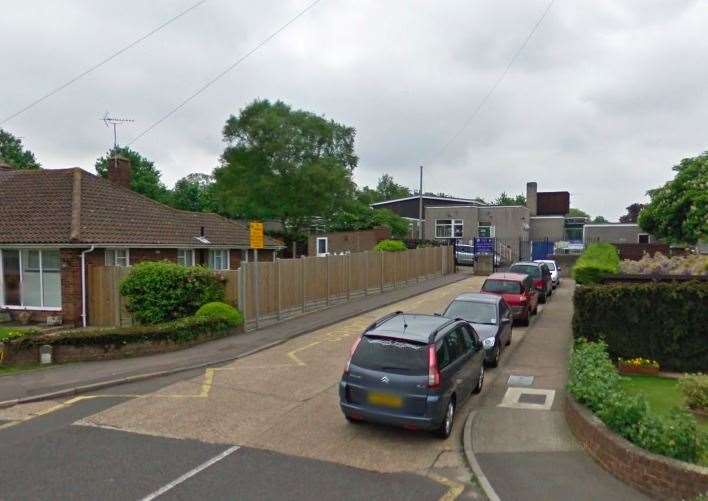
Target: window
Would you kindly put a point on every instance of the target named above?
(455, 344)
(391, 355)
(442, 355)
(322, 246)
(468, 336)
(117, 257)
(219, 259)
(486, 230)
(643, 238)
(448, 228)
(501, 286)
(185, 257)
(30, 278)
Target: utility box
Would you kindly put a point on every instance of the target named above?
(484, 265)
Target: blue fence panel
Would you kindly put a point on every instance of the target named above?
(542, 249)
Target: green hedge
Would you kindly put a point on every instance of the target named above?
(180, 331)
(666, 322)
(390, 246)
(161, 291)
(596, 261)
(216, 309)
(593, 381)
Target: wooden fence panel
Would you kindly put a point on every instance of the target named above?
(105, 305)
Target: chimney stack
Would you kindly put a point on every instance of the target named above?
(119, 171)
(532, 198)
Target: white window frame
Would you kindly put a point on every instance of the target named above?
(492, 229)
(224, 253)
(21, 306)
(449, 224)
(317, 246)
(114, 260)
(640, 235)
(187, 257)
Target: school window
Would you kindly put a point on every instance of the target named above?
(219, 259)
(185, 257)
(117, 257)
(448, 228)
(485, 230)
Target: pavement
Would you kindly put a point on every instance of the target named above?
(67, 379)
(518, 440)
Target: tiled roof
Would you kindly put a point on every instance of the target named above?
(75, 207)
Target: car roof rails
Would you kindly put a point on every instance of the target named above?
(383, 319)
(442, 326)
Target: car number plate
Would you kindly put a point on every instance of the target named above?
(385, 400)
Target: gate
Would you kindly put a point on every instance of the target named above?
(542, 249)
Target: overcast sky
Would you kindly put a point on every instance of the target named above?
(604, 100)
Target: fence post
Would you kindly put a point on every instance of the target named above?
(327, 279)
(278, 286)
(257, 287)
(242, 293)
(442, 261)
(349, 277)
(302, 281)
(366, 273)
(381, 271)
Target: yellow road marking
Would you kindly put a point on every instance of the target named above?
(454, 489)
(294, 357)
(206, 384)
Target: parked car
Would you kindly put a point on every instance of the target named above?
(554, 269)
(491, 319)
(464, 255)
(518, 292)
(540, 274)
(412, 371)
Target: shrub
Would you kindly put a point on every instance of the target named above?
(695, 390)
(182, 330)
(220, 310)
(666, 322)
(11, 333)
(693, 264)
(593, 381)
(161, 291)
(596, 261)
(390, 246)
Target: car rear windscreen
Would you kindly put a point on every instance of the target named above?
(551, 266)
(527, 269)
(392, 355)
(502, 287)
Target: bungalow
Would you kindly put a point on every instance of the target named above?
(55, 223)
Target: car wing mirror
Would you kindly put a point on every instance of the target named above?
(506, 320)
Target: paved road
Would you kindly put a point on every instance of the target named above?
(266, 426)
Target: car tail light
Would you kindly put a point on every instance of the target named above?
(351, 354)
(522, 299)
(433, 372)
(538, 283)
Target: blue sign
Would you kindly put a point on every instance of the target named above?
(484, 245)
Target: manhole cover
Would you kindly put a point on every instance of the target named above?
(516, 380)
(531, 398)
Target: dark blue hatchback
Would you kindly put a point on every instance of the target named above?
(412, 371)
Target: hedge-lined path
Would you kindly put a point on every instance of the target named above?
(70, 376)
(520, 438)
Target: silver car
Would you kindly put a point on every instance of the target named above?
(464, 255)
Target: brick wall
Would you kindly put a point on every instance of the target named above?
(71, 285)
(658, 476)
(352, 241)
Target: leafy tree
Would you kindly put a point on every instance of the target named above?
(13, 154)
(599, 219)
(573, 212)
(388, 189)
(284, 164)
(145, 176)
(632, 215)
(678, 211)
(358, 216)
(195, 192)
(504, 199)
(368, 196)
(398, 225)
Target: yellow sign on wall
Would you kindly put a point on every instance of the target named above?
(256, 231)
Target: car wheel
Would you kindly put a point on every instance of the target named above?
(446, 426)
(542, 298)
(480, 380)
(352, 420)
(525, 321)
(497, 356)
(535, 309)
(550, 292)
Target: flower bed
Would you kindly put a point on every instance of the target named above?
(638, 366)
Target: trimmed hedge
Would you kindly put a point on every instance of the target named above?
(216, 309)
(666, 322)
(158, 291)
(390, 246)
(596, 261)
(179, 331)
(593, 381)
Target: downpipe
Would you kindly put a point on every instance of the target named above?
(83, 284)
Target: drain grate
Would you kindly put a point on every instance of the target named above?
(517, 380)
(531, 398)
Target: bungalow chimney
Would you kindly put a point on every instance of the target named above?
(119, 171)
(532, 198)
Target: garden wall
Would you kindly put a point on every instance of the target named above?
(658, 476)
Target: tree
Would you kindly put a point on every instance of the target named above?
(632, 215)
(388, 189)
(13, 154)
(678, 211)
(355, 216)
(145, 177)
(284, 164)
(195, 192)
(504, 199)
(573, 212)
(599, 220)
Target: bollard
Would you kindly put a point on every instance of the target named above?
(45, 354)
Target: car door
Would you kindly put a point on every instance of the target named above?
(454, 372)
(475, 355)
(505, 321)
